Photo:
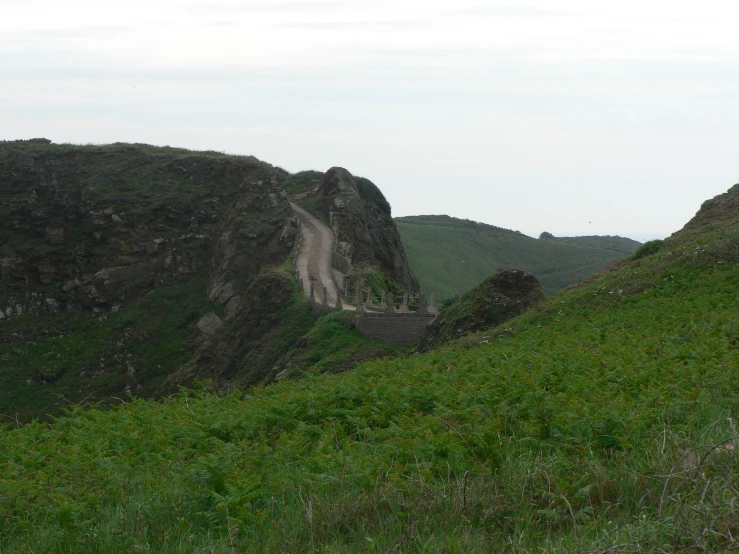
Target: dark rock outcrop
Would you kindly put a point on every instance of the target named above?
(97, 246)
(93, 228)
(367, 233)
(267, 324)
(497, 299)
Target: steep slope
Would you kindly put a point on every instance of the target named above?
(604, 421)
(133, 270)
(365, 226)
(451, 255)
(721, 209)
(270, 321)
(96, 244)
(367, 233)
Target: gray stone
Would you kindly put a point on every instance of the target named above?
(209, 323)
(52, 304)
(289, 232)
(222, 292)
(70, 285)
(233, 305)
(54, 236)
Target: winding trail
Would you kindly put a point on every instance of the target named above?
(314, 257)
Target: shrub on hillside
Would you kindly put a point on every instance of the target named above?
(648, 248)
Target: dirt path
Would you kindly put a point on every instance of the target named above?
(314, 258)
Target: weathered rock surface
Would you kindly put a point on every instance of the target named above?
(209, 324)
(88, 232)
(497, 299)
(267, 324)
(366, 230)
(96, 227)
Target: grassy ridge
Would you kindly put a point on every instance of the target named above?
(136, 178)
(619, 244)
(334, 345)
(600, 422)
(463, 253)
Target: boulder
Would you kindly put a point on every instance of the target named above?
(209, 323)
(497, 299)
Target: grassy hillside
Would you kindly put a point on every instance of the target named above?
(451, 255)
(619, 244)
(603, 421)
(52, 361)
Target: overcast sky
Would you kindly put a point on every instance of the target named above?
(574, 117)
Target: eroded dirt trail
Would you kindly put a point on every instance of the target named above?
(314, 257)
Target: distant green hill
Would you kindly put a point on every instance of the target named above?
(619, 244)
(451, 255)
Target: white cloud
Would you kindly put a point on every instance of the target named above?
(517, 114)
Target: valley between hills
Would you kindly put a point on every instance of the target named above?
(585, 402)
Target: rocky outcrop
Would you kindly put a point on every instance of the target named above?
(110, 256)
(120, 263)
(90, 229)
(209, 324)
(497, 299)
(268, 323)
(366, 231)
(721, 208)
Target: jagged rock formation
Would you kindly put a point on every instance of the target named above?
(111, 255)
(91, 228)
(366, 231)
(499, 298)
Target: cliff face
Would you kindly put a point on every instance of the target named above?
(111, 255)
(367, 231)
(91, 228)
(125, 266)
(270, 321)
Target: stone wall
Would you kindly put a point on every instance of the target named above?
(340, 262)
(393, 327)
